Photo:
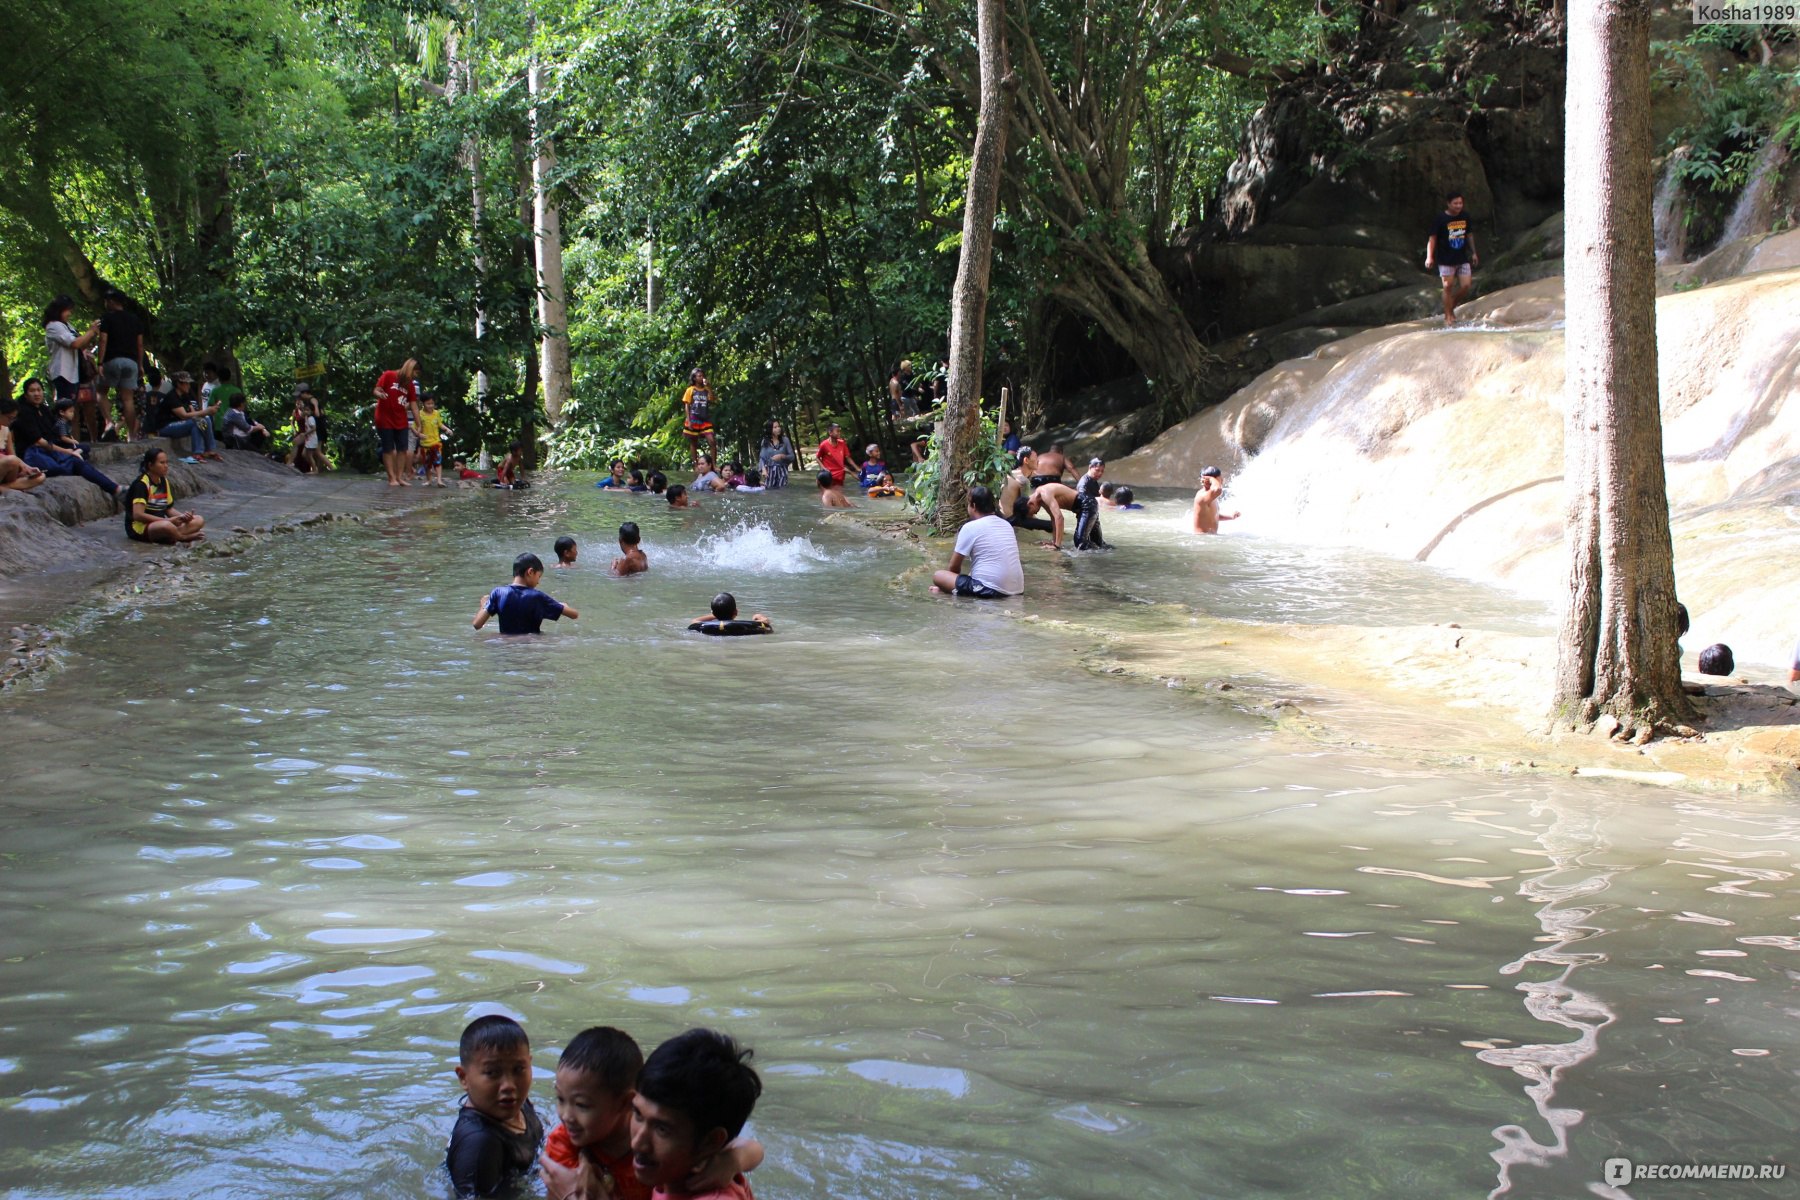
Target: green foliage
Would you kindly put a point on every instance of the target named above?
(282, 185)
(1737, 112)
(991, 463)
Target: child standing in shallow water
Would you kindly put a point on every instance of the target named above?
(519, 605)
(497, 1131)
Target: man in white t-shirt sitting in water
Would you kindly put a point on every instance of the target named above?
(985, 564)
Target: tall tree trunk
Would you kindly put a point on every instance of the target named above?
(968, 322)
(6, 384)
(553, 308)
(462, 83)
(1617, 651)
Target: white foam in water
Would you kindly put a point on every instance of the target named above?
(754, 549)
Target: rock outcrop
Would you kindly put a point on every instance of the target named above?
(1446, 446)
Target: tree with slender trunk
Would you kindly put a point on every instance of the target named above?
(1617, 650)
(553, 305)
(968, 304)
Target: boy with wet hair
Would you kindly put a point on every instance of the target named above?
(596, 1081)
(829, 495)
(724, 619)
(497, 1131)
(678, 497)
(566, 551)
(693, 1097)
(631, 560)
(519, 605)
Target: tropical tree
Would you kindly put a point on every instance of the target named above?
(1617, 650)
(968, 328)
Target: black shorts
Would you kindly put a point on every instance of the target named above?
(966, 586)
(394, 441)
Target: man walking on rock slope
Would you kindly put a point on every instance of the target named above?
(1451, 248)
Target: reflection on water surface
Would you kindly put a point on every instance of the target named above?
(990, 923)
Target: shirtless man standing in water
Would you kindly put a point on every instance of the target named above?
(1206, 502)
(1051, 466)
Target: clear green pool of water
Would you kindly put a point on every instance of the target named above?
(992, 924)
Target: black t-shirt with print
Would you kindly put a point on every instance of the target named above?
(1450, 238)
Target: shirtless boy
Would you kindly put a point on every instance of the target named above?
(631, 558)
(830, 494)
(1206, 502)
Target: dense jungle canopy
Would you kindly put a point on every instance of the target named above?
(771, 189)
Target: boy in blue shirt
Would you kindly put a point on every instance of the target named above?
(520, 607)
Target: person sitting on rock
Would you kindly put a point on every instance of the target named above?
(34, 433)
(239, 431)
(150, 515)
(16, 475)
(1717, 660)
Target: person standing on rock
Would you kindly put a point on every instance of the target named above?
(1451, 248)
(696, 416)
(396, 399)
(1206, 502)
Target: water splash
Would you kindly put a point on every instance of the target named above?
(751, 548)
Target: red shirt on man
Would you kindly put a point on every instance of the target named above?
(834, 456)
(394, 407)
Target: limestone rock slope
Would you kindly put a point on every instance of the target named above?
(1446, 445)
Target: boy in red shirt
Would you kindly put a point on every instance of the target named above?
(595, 1089)
(834, 455)
(396, 402)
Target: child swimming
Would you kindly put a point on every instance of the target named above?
(631, 560)
(724, 621)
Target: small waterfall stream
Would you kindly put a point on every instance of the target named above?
(1756, 205)
(1668, 212)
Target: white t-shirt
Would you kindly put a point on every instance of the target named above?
(59, 341)
(990, 551)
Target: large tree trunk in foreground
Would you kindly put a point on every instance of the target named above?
(968, 323)
(1617, 651)
(553, 307)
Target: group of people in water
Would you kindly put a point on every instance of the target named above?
(984, 563)
(630, 1127)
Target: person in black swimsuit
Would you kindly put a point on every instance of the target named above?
(1087, 508)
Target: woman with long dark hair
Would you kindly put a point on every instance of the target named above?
(34, 438)
(64, 346)
(776, 454)
(150, 513)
